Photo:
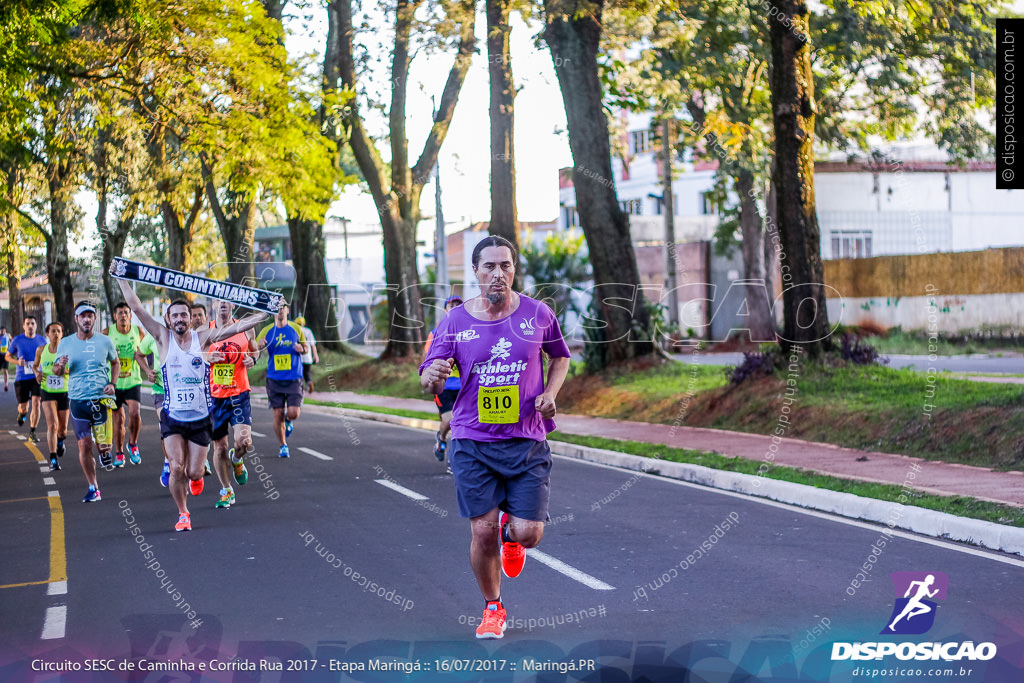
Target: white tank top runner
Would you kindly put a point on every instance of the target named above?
(186, 381)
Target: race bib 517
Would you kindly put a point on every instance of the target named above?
(282, 362)
(498, 405)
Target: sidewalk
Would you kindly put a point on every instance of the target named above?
(927, 475)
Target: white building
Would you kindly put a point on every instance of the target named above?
(913, 206)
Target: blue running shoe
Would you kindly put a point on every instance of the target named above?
(133, 454)
(165, 476)
(92, 495)
(284, 453)
(288, 427)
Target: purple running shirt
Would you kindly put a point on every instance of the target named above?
(502, 370)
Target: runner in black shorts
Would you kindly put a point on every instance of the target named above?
(22, 352)
(85, 356)
(53, 393)
(285, 343)
(499, 456)
(185, 420)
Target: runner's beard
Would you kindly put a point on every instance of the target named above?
(181, 327)
(498, 296)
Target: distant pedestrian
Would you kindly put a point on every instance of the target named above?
(310, 357)
(5, 341)
(445, 401)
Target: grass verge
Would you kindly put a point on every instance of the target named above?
(960, 506)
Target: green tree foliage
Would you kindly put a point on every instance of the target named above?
(554, 269)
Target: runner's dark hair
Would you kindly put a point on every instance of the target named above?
(123, 304)
(195, 306)
(179, 302)
(31, 317)
(58, 324)
(495, 241)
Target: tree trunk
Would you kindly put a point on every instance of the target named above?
(177, 225)
(112, 241)
(11, 250)
(793, 108)
(234, 217)
(504, 219)
(62, 185)
(398, 204)
(760, 325)
(313, 294)
(574, 41)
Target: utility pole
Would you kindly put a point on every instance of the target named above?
(670, 220)
(441, 288)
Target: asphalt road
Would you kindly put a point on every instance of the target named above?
(322, 565)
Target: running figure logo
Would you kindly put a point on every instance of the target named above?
(914, 612)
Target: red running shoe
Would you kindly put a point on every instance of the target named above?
(513, 555)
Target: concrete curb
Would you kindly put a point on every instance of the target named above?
(999, 537)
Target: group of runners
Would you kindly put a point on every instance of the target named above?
(485, 363)
(200, 389)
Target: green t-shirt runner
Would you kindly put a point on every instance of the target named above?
(52, 384)
(126, 345)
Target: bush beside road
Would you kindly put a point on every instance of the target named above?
(876, 408)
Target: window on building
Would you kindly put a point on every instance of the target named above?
(632, 207)
(851, 244)
(640, 141)
(707, 205)
(570, 216)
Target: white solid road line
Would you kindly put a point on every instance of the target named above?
(401, 489)
(56, 622)
(569, 570)
(543, 558)
(315, 454)
(815, 513)
(255, 433)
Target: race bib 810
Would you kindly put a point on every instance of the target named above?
(498, 405)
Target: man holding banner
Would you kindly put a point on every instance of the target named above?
(185, 420)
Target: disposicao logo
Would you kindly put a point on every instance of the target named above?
(913, 614)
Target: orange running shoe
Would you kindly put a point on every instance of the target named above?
(184, 522)
(493, 623)
(513, 555)
(195, 486)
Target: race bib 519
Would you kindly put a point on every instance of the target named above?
(498, 405)
(283, 361)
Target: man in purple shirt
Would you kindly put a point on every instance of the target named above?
(499, 455)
